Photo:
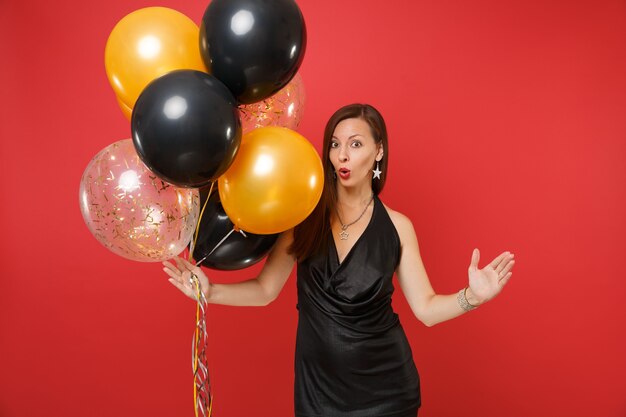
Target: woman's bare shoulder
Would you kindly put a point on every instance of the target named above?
(403, 223)
(403, 226)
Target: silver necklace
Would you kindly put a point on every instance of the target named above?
(344, 234)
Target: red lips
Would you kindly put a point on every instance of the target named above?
(344, 173)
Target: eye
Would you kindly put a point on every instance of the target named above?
(356, 144)
(333, 144)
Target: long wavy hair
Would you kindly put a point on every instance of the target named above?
(311, 236)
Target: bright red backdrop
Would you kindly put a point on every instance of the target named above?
(507, 124)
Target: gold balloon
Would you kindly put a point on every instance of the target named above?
(127, 111)
(274, 182)
(147, 44)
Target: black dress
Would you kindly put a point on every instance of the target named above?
(352, 356)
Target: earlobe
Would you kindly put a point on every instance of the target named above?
(380, 154)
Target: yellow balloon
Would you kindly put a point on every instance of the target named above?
(147, 44)
(127, 111)
(274, 182)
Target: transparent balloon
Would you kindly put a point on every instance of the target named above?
(283, 109)
(131, 211)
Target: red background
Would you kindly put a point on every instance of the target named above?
(507, 124)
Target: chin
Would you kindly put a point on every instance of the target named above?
(351, 183)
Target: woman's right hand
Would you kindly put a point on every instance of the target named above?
(180, 277)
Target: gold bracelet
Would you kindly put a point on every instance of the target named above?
(462, 299)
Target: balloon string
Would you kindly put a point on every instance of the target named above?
(201, 386)
(200, 327)
(220, 243)
(200, 381)
(195, 236)
(195, 355)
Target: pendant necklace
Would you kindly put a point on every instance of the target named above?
(344, 234)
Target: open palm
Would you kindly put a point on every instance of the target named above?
(181, 277)
(487, 282)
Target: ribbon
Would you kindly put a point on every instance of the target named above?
(203, 400)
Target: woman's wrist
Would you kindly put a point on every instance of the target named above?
(472, 299)
(467, 300)
(207, 292)
(461, 299)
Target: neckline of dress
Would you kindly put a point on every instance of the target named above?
(332, 237)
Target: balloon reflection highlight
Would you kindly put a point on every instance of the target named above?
(175, 107)
(129, 181)
(148, 47)
(263, 165)
(242, 22)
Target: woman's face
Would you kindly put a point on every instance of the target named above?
(353, 152)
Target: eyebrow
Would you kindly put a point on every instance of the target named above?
(353, 136)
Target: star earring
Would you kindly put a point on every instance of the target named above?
(377, 171)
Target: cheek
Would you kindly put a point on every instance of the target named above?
(367, 162)
(332, 159)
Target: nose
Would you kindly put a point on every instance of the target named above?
(343, 155)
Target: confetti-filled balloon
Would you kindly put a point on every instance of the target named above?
(131, 211)
(284, 109)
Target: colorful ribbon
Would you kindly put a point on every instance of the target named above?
(203, 400)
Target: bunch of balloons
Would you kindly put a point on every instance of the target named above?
(211, 105)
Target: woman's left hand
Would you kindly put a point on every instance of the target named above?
(486, 283)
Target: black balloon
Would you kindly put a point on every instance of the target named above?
(186, 128)
(254, 47)
(236, 251)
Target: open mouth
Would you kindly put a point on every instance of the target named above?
(344, 173)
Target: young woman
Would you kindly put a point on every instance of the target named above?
(352, 356)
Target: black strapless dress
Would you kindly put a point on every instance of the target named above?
(352, 356)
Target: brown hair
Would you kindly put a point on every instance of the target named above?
(311, 236)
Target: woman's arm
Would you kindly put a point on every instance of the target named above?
(431, 308)
(259, 291)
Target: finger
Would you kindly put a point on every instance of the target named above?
(504, 266)
(170, 266)
(509, 265)
(186, 278)
(494, 264)
(191, 284)
(172, 274)
(180, 263)
(183, 282)
(181, 287)
(475, 259)
(506, 279)
(189, 265)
